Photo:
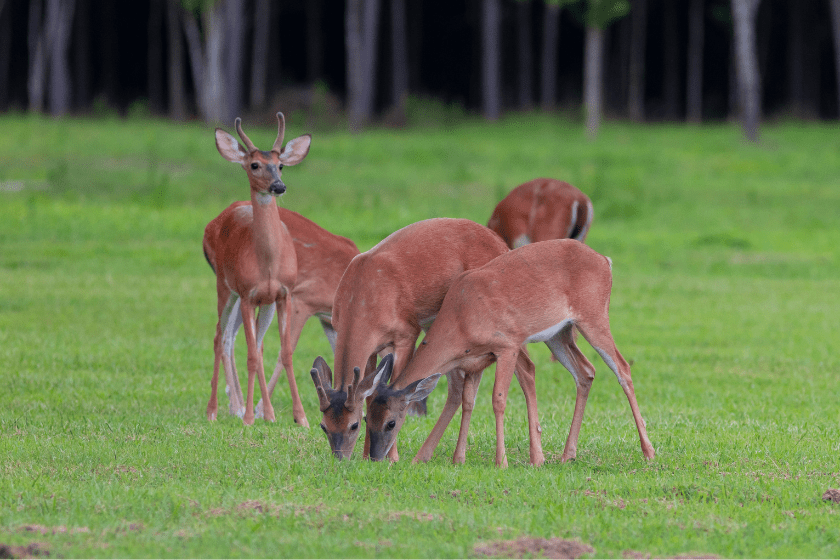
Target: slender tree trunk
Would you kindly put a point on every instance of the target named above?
(5, 55)
(491, 19)
(361, 32)
(36, 84)
(259, 56)
(234, 55)
(671, 63)
(154, 74)
(638, 36)
(214, 74)
(399, 58)
(694, 73)
(314, 41)
(175, 64)
(81, 57)
(796, 58)
(525, 53)
(746, 63)
(593, 78)
(108, 47)
(550, 42)
(195, 49)
(59, 27)
(835, 26)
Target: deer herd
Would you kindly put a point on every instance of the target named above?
(479, 293)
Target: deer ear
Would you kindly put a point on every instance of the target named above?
(419, 390)
(369, 384)
(323, 370)
(230, 149)
(296, 150)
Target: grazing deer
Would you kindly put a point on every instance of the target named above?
(385, 298)
(536, 293)
(321, 260)
(540, 210)
(256, 266)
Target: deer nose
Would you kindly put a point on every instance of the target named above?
(277, 188)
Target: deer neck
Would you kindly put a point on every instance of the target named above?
(266, 229)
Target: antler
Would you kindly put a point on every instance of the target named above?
(350, 403)
(281, 131)
(323, 400)
(248, 143)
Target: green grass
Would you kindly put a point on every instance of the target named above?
(725, 297)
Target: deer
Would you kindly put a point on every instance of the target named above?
(256, 267)
(386, 297)
(540, 210)
(536, 293)
(321, 259)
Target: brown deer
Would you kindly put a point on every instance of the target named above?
(385, 298)
(540, 210)
(321, 259)
(536, 293)
(256, 266)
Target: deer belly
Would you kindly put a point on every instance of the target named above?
(550, 332)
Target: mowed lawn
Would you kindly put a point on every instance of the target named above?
(726, 300)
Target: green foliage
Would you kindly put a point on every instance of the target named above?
(600, 13)
(725, 269)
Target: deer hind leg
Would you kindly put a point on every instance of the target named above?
(602, 341)
(284, 316)
(526, 374)
(227, 318)
(232, 388)
(454, 392)
(505, 367)
(563, 348)
(470, 391)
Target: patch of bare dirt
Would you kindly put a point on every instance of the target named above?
(31, 550)
(832, 495)
(532, 546)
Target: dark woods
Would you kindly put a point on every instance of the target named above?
(656, 59)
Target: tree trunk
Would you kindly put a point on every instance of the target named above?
(314, 41)
(694, 73)
(361, 32)
(796, 58)
(550, 42)
(671, 62)
(259, 55)
(746, 65)
(5, 55)
(835, 26)
(175, 65)
(59, 27)
(154, 74)
(491, 19)
(109, 48)
(233, 47)
(638, 36)
(593, 78)
(399, 58)
(36, 84)
(195, 49)
(525, 53)
(81, 54)
(214, 74)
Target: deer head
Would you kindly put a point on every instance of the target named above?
(343, 408)
(387, 411)
(263, 168)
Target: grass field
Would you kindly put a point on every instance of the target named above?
(726, 298)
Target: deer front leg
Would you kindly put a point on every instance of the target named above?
(505, 365)
(526, 374)
(454, 396)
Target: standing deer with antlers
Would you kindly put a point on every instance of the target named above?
(322, 258)
(385, 298)
(540, 210)
(536, 293)
(256, 266)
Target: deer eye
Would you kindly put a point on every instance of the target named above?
(324, 428)
(354, 427)
(255, 166)
(390, 425)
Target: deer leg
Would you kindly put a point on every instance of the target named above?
(329, 332)
(254, 358)
(583, 372)
(454, 392)
(602, 341)
(227, 315)
(470, 390)
(299, 315)
(232, 387)
(526, 374)
(284, 317)
(505, 365)
(264, 318)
